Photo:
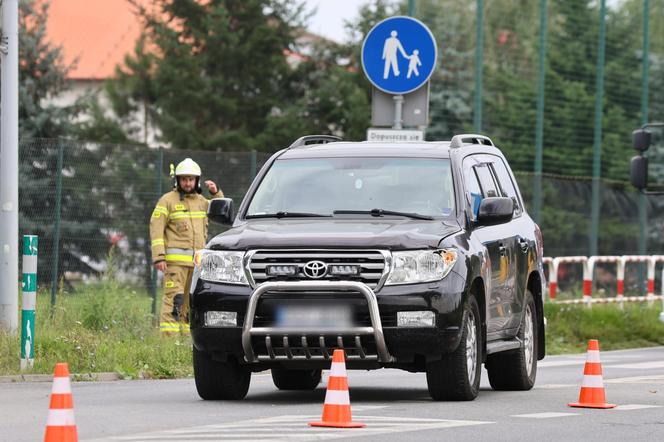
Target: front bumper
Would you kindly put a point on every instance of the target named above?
(376, 342)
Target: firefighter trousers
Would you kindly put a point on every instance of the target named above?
(174, 316)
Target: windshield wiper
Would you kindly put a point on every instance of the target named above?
(281, 214)
(381, 212)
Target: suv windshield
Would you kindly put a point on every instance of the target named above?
(324, 185)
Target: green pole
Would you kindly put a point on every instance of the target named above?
(29, 290)
(479, 60)
(159, 190)
(411, 8)
(539, 126)
(56, 226)
(597, 139)
(642, 199)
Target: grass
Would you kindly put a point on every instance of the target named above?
(571, 326)
(107, 327)
(102, 327)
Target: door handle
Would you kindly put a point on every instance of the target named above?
(524, 245)
(503, 250)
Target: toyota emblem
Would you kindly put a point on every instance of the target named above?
(315, 269)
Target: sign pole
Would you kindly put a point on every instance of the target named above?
(9, 168)
(30, 246)
(398, 107)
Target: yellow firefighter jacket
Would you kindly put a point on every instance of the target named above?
(178, 227)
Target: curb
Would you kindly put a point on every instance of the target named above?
(75, 377)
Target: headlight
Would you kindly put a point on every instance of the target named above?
(221, 266)
(420, 266)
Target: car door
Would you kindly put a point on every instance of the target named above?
(500, 246)
(519, 228)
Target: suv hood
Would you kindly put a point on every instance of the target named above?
(388, 233)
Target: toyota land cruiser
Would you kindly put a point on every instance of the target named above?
(416, 255)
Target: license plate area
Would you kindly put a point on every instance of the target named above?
(313, 315)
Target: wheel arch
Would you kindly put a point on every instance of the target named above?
(535, 287)
(478, 289)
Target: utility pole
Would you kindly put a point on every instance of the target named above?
(9, 168)
(539, 127)
(645, 92)
(479, 61)
(597, 138)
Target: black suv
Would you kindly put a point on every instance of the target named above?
(414, 255)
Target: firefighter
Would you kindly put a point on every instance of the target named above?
(178, 227)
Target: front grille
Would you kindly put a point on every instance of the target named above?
(371, 264)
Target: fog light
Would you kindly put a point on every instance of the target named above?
(416, 319)
(344, 270)
(220, 319)
(282, 270)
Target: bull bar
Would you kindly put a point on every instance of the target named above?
(376, 329)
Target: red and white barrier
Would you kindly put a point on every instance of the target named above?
(589, 264)
(555, 265)
(589, 274)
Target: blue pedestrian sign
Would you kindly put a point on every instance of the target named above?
(399, 55)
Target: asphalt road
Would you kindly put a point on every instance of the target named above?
(394, 405)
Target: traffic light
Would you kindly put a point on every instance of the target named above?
(639, 165)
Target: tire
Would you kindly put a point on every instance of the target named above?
(217, 380)
(516, 370)
(295, 379)
(456, 377)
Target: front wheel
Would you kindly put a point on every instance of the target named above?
(456, 377)
(220, 380)
(517, 369)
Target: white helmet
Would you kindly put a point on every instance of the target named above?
(188, 167)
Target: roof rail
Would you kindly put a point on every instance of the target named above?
(314, 139)
(461, 139)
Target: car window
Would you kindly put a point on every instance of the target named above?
(487, 182)
(474, 196)
(324, 185)
(506, 184)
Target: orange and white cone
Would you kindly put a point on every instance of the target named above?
(336, 409)
(592, 387)
(60, 426)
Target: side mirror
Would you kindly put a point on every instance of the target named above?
(638, 172)
(642, 139)
(220, 211)
(495, 210)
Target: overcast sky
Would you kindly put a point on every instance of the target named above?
(328, 21)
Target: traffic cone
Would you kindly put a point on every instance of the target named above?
(336, 409)
(592, 387)
(60, 426)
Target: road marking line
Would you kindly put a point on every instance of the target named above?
(294, 427)
(547, 415)
(554, 386)
(636, 380)
(368, 407)
(641, 365)
(560, 363)
(635, 407)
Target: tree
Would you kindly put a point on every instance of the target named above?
(220, 68)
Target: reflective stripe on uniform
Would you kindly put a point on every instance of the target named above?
(188, 215)
(159, 210)
(158, 242)
(179, 258)
(174, 250)
(174, 327)
(169, 326)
